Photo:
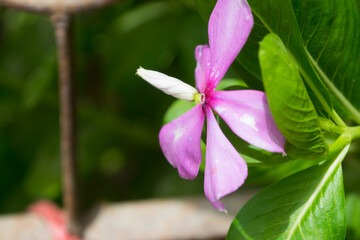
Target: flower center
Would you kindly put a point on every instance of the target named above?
(199, 98)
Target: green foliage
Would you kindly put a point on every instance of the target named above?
(39, 81)
(205, 7)
(176, 109)
(307, 205)
(231, 83)
(331, 33)
(289, 101)
(352, 205)
(307, 63)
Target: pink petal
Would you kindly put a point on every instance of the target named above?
(225, 170)
(229, 27)
(180, 141)
(248, 115)
(54, 218)
(202, 71)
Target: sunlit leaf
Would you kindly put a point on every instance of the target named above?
(289, 101)
(307, 205)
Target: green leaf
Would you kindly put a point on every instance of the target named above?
(203, 154)
(39, 82)
(352, 205)
(265, 175)
(331, 33)
(307, 205)
(205, 7)
(289, 101)
(231, 83)
(176, 109)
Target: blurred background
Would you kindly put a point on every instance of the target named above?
(118, 116)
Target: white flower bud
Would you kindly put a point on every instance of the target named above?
(168, 85)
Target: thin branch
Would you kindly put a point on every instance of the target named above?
(62, 26)
(52, 6)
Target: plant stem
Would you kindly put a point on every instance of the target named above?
(62, 26)
(330, 126)
(354, 132)
(350, 134)
(337, 119)
(339, 144)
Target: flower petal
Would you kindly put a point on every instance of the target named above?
(229, 27)
(169, 85)
(248, 115)
(202, 71)
(180, 141)
(225, 170)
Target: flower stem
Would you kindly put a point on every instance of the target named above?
(350, 134)
(337, 119)
(339, 144)
(354, 132)
(330, 126)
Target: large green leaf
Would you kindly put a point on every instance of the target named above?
(307, 205)
(331, 33)
(288, 99)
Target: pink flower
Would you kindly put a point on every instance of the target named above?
(245, 111)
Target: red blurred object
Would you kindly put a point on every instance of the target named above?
(54, 218)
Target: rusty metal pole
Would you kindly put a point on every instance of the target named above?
(60, 12)
(63, 28)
